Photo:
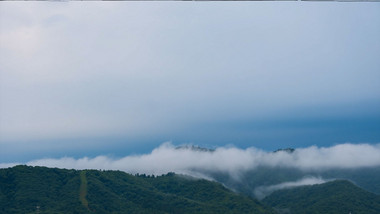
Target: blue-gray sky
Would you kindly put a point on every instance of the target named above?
(115, 78)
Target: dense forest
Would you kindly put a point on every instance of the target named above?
(367, 178)
(26, 189)
(340, 196)
(246, 181)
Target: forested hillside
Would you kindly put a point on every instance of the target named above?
(26, 189)
(334, 197)
(366, 178)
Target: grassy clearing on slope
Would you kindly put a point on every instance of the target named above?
(83, 189)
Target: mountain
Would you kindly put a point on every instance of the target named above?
(340, 196)
(248, 181)
(26, 189)
(194, 148)
(288, 150)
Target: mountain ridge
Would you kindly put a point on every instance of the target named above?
(26, 189)
(338, 196)
(53, 190)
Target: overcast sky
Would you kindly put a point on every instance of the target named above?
(116, 78)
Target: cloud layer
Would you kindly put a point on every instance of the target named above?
(262, 191)
(231, 160)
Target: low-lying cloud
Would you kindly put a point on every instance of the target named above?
(231, 160)
(262, 191)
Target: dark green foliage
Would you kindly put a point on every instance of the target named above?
(24, 188)
(339, 196)
(69, 191)
(367, 178)
(163, 194)
(261, 176)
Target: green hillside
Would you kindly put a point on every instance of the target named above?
(339, 196)
(53, 190)
(366, 178)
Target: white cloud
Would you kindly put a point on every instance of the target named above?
(262, 191)
(231, 160)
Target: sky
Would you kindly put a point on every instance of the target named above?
(89, 79)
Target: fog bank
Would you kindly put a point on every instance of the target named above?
(168, 158)
(263, 191)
